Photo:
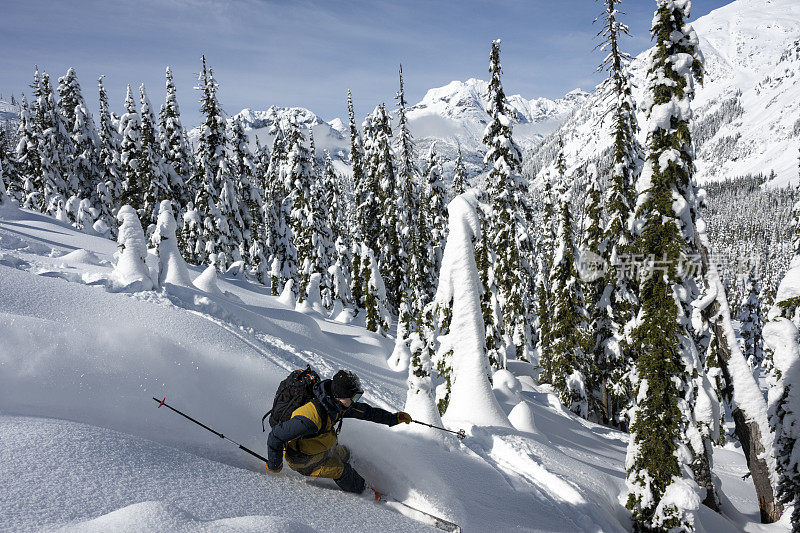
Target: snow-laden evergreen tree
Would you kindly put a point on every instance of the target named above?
(172, 268)
(54, 147)
(434, 209)
(228, 223)
(305, 225)
(8, 158)
(210, 155)
(357, 163)
(380, 171)
(130, 129)
(154, 177)
(249, 197)
(5, 200)
(592, 250)
(131, 267)
(324, 199)
(506, 189)
(460, 178)
(751, 324)
(83, 160)
(569, 362)
(485, 258)
(109, 188)
(333, 198)
(614, 363)
(27, 158)
(408, 202)
(279, 242)
(374, 292)
(546, 248)
(176, 151)
(675, 415)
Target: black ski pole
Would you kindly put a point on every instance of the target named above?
(461, 434)
(217, 433)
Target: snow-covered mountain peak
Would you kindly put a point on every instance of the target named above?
(254, 119)
(745, 112)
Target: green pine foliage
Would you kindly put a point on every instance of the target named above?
(571, 372)
(506, 224)
(154, 179)
(130, 129)
(109, 189)
(460, 178)
(612, 355)
(27, 158)
(669, 369)
(175, 148)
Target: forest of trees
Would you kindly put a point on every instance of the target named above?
(609, 292)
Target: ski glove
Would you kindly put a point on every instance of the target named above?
(273, 470)
(403, 417)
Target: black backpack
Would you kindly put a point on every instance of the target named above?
(293, 392)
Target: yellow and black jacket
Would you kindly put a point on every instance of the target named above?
(312, 428)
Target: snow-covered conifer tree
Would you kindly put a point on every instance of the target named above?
(357, 161)
(471, 396)
(569, 363)
(130, 128)
(380, 171)
(249, 197)
(152, 172)
(177, 153)
(210, 156)
(670, 440)
(374, 292)
(460, 178)
(131, 266)
(54, 145)
(752, 324)
(619, 199)
(172, 267)
(109, 188)
(83, 160)
(505, 188)
(434, 210)
(27, 158)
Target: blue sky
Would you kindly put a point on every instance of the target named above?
(307, 53)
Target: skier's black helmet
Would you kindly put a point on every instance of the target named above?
(345, 384)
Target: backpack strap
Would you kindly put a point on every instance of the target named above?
(263, 429)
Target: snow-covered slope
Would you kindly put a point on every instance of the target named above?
(9, 113)
(83, 445)
(747, 112)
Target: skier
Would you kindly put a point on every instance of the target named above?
(309, 439)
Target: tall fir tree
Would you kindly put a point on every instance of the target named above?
(569, 362)
(751, 321)
(209, 158)
(130, 129)
(108, 189)
(433, 208)
(506, 189)
(250, 200)
(83, 159)
(177, 153)
(54, 144)
(615, 364)
(592, 250)
(460, 178)
(27, 158)
(152, 173)
(669, 446)
(546, 248)
(357, 162)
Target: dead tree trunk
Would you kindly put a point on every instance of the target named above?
(747, 428)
